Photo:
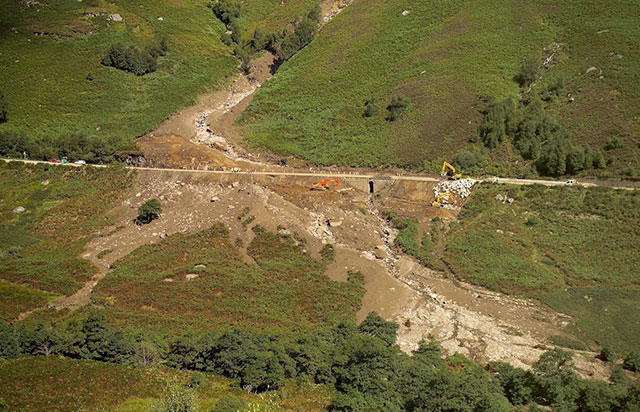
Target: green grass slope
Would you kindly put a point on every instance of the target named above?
(287, 291)
(40, 247)
(571, 247)
(61, 384)
(448, 58)
(44, 77)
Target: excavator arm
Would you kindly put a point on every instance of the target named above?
(323, 184)
(438, 201)
(453, 175)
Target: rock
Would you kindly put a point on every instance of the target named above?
(591, 69)
(499, 197)
(510, 200)
(115, 17)
(45, 183)
(191, 276)
(499, 231)
(168, 280)
(138, 194)
(18, 209)
(406, 12)
(200, 266)
(214, 199)
(160, 18)
(334, 222)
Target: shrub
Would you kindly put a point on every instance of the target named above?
(226, 39)
(229, 404)
(493, 127)
(176, 398)
(607, 354)
(227, 10)
(3, 108)
(370, 108)
(328, 252)
(197, 379)
(528, 72)
(236, 31)
(303, 34)
(397, 108)
(470, 157)
(615, 143)
(150, 210)
(131, 59)
(632, 362)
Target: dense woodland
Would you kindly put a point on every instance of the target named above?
(368, 372)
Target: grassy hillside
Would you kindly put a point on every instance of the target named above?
(54, 83)
(40, 247)
(287, 291)
(61, 384)
(573, 248)
(449, 58)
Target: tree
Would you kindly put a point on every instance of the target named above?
(149, 211)
(9, 342)
(397, 107)
(41, 340)
(3, 108)
(147, 353)
(515, 382)
(374, 325)
(555, 380)
(492, 128)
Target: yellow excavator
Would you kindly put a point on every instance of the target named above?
(451, 172)
(438, 201)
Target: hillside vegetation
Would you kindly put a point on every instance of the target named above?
(40, 246)
(571, 247)
(200, 281)
(449, 60)
(60, 93)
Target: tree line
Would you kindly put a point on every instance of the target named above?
(75, 146)
(362, 363)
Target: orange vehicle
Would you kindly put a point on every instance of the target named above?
(323, 184)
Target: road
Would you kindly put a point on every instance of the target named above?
(342, 175)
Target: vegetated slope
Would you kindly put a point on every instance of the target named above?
(56, 86)
(449, 58)
(60, 384)
(574, 248)
(200, 281)
(40, 247)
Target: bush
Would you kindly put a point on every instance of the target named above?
(632, 362)
(528, 72)
(131, 59)
(328, 252)
(229, 404)
(226, 39)
(470, 157)
(370, 108)
(615, 143)
(3, 108)
(176, 398)
(397, 108)
(150, 210)
(227, 10)
(304, 33)
(607, 354)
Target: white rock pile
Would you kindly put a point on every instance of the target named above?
(461, 187)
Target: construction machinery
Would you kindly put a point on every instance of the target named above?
(440, 198)
(323, 184)
(451, 172)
